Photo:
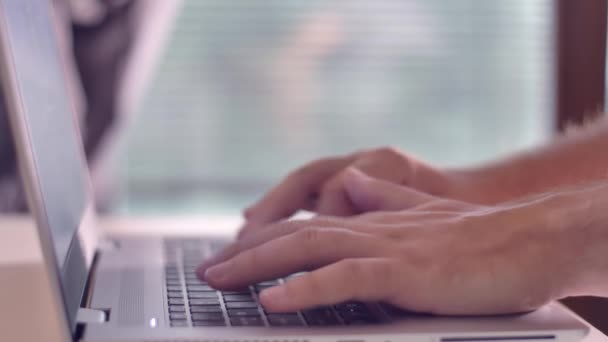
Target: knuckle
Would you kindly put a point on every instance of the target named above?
(304, 170)
(382, 271)
(309, 168)
(353, 274)
(310, 237)
(385, 272)
(232, 249)
(387, 152)
(335, 183)
(395, 234)
(352, 268)
(417, 257)
(298, 173)
(249, 259)
(288, 227)
(362, 152)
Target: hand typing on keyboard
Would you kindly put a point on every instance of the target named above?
(192, 302)
(320, 186)
(440, 256)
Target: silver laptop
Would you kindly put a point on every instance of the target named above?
(145, 289)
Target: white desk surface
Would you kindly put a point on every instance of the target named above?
(20, 254)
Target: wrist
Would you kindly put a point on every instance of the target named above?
(582, 240)
(495, 183)
(472, 185)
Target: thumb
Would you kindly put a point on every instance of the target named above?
(371, 194)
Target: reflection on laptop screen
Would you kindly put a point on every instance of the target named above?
(50, 119)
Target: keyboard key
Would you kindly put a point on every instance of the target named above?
(361, 322)
(190, 271)
(204, 301)
(195, 281)
(352, 307)
(322, 321)
(398, 313)
(171, 269)
(176, 301)
(205, 308)
(173, 282)
(358, 318)
(241, 305)
(200, 288)
(246, 321)
(190, 243)
(284, 320)
(177, 308)
(321, 317)
(178, 316)
(192, 248)
(209, 324)
(295, 275)
(238, 298)
(237, 292)
(174, 288)
(320, 311)
(202, 294)
(207, 316)
(191, 264)
(216, 245)
(191, 256)
(175, 294)
(243, 312)
(260, 288)
(172, 276)
(269, 283)
(179, 323)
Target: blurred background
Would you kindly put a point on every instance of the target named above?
(197, 107)
(242, 92)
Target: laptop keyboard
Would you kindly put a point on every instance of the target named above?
(193, 303)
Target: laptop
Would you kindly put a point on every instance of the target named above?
(119, 288)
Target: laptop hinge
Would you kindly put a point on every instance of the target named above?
(88, 316)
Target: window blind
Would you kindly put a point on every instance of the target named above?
(248, 90)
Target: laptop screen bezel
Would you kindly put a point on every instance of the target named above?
(68, 283)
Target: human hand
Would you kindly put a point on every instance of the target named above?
(320, 185)
(440, 256)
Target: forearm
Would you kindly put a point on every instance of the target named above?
(582, 240)
(572, 159)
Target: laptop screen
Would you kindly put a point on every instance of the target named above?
(35, 89)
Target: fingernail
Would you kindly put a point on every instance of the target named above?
(202, 268)
(216, 273)
(274, 297)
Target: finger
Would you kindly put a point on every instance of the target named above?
(366, 279)
(401, 219)
(251, 226)
(405, 218)
(333, 200)
(295, 191)
(302, 251)
(447, 206)
(370, 194)
(252, 240)
(280, 229)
